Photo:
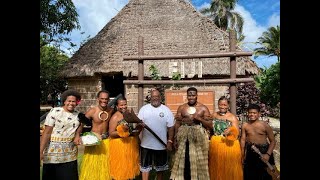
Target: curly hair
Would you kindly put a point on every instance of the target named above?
(70, 92)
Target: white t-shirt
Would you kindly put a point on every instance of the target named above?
(158, 119)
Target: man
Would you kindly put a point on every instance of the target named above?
(256, 132)
(57, 144)
(153, 154)
(191, 139)
(95, 161)
(124, 148)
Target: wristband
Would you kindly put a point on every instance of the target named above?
(170, 141)
(268, 154)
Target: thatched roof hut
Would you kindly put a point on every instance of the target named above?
(169, 27)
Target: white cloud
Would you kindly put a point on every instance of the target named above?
(251, 29)
(95, 14)
(204, 5)
(274, 20)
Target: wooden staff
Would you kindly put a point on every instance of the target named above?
(130, 117)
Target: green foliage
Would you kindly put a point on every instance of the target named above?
(270, 42)
(176, 76)
(223, 15)
(161, 88)
(51, 61)
(270, 85)
(248, 93)
(154, 73)
(57, 19)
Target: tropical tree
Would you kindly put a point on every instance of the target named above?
(51, 61)
(270, 41)
(269, 85)
(57, 19)
(222, 14)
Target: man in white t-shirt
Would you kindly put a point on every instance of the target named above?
(153, 154)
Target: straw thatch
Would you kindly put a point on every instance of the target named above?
(169, 27)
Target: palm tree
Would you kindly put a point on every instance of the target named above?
(270, 41)
(222, 14)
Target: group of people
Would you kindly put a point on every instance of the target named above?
(206, 146)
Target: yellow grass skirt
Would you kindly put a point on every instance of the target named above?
(225, 159)
(124, 158)
(95, 162)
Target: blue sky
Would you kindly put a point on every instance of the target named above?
(258, 16)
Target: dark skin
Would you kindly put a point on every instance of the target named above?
(258, 132)
(69, 105)
(100, 126)
(118, 116)
(155, 101)
(202, 114)
(224, 113)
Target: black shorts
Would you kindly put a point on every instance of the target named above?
(156, 159)
(61, 171)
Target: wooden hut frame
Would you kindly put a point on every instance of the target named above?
(232, 80)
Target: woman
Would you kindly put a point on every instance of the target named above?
(58, 144)
(224, 148)
(124, 148)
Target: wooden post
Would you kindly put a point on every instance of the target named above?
(140, 72)
(233, 73)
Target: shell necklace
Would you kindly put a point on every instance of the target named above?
(103, 112)
(191, 109)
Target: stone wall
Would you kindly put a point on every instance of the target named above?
(88, 88)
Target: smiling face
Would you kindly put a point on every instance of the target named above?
(70, 103)
(253, 114)
(122, 105)
(103, 100)
(155, 98)
(223, 106)
(192, 97)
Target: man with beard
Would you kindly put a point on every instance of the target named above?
(95, 161)
(191, 139)
(124, 148)
(153, 154)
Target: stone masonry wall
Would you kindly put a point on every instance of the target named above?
(88, 88)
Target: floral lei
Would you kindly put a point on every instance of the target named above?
(122, 131)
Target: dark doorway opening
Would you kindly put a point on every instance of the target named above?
(113, 83)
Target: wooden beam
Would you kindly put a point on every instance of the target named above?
(188, 56)
(202, 81)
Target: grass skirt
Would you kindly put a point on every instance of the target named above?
(124, 158)
(225, 159)
(198, 153)
(95, 162)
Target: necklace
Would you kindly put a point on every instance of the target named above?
(191, 109)
(103, 112)
(222, 114)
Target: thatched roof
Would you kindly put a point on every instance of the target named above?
(169, 27)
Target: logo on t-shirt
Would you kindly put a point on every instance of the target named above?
(161, 114)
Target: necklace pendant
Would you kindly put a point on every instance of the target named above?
(191, 110)
(100, 115)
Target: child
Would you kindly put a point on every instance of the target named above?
(258, 133)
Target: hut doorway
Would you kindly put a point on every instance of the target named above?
(113, 83)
